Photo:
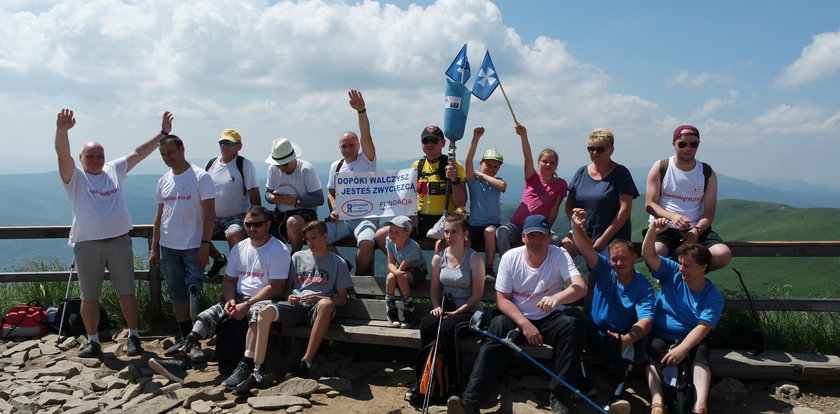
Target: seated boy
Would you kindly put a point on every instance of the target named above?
(406, 267)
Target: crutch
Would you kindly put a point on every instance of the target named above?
(426, 398)
(66, 297)
(508, 341)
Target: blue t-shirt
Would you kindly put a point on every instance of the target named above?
(616, 307)
(600, 199)
(410, 252)
(678, 309)
(485, 203)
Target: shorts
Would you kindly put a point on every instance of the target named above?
(362, 229)
(477, 235)
(418, 274)
(223, 225)
(424, 224)
(206, 321)
(94, 256)
(278, 227)
(182, 272)
(658, 347)
(671, 239)
(293, 315)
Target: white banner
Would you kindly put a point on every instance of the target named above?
(376, 194)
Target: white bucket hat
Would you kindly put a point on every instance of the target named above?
(283, 152)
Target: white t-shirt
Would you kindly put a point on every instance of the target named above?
(182, 222)
(231, 200)
(99, 210)
(683, 191)
(529, 285)
(303, 180)
(362, 164)
(254, 266)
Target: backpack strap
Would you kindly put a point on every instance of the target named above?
(240, 165)
(707, 172)
(443, 161)
(210, 164)
(663, 167)
(338, 167)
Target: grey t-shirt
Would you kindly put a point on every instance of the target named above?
(322, 276)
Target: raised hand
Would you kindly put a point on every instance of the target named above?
(659, 225)
(357, 102)
(477, 133)
(65, 120)
(166, 123)
(521, 130)
(579, 217)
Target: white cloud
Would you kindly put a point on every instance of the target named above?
(799, 121)
(818, 60)
(714, 104)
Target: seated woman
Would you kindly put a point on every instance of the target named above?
(687, 308)
(543, 193)
(605, 189)
(457, 284)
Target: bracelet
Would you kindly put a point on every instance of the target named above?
(363, 111)
(166, 134)
(206, 241)
(699, 230)
(249, 303)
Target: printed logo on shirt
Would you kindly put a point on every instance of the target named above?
(245, 273)
(103, 193)
(312, 277)
(177, 197)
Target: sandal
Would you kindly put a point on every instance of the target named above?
(657, 408)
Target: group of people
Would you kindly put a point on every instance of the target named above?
(622, 319)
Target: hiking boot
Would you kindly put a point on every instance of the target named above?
(133, 347)
(408, 318)
(393, 316)
(175, 349)
(455, 405)
(196, 354)
(173, 369)
(253, 381)
(302, 371)
(92, 349)
(239, 375)
(556, 404)
(218, 264)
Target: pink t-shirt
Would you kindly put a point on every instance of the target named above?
(538, 197)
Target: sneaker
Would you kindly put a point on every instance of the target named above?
(239, 375)
(173, 369)
(91, 349)
(133, 347)
(175, 349)
(436, 232)
(455, 405)
(196, 354)
(408, 318)
(618, 406)
(586, 388)
(556, 405)
(217, 267)
(393, 316)
(253, 381)
(302, 371)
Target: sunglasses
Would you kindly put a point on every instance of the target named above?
(226, 143)
(430, 141)
(694, 144)
(598, 149)
(255, 224)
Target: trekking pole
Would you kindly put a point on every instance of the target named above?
(427, 397)
(66, 296)
(450, 162)
(508, 341)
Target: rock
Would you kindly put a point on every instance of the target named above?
(805, 410)
(130, 373)
(294, 409)
(350, 373)
(167, 343)
(164, 402)
(19, 358)
(68, 343)
(131, 391)
(112, 349)
(134, 402)
(22, 403)
(52, 398)
(524, 408)
(300, 387)
(339, 384)
(207, 394)
(786, 389)
(20, 348)
(226, 404)
(152, 387)
(60, 388)
(333, 393)
(323, 388)
(34, 353)
(277, 401)
(729, 388)
(117, 383)
(23, 391)
(98, 385)
(88, 362)
(170, 387)
(87, 408)
(49, 348)
(201, 407)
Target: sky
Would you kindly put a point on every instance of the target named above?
(759, 80)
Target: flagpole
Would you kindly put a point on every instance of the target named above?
(508, 103)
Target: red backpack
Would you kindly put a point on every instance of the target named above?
(28, 320)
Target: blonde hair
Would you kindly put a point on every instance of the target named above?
(602, 136)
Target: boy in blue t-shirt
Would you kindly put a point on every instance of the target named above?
(406, 266)
(485, 199)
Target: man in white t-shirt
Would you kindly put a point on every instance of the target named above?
(362, 229)
(293, 187)
(533, 283)
(235, 179)
(101, 223)
(683, 190)
(256, 274)
(182, 229)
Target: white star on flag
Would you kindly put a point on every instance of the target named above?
(489, 76)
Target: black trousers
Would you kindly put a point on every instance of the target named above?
(450, 329)
(563, 330)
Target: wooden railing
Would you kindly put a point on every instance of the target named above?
(769, 249)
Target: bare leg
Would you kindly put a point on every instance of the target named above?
(405, 287)
(268, 314)
(655, 385)
(390, 284)
(721, 256)
(323, 315)
(130, 310)
(570, 247)
(90, 316)
(214, 252)
(294, 229)
(662, 249)
(702, 380)
(380, 236)
(233, 237)
(364, 258)
(489, 246)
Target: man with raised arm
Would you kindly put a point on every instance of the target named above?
(533, 283)
(362, 229)
(99, 234)
(684, 190)
(182, 229)
(235, 179)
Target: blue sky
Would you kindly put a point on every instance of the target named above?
(760, 80)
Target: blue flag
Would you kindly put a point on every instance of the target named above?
(459, 70)
(487, 79)
(456, 107)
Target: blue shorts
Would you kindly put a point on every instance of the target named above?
(362, 229)
(182, 272)
(223, 225)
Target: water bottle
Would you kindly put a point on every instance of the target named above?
(671, 373)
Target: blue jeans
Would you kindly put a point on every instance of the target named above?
(182, 272)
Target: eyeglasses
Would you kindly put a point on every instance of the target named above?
(683, 144)
(255, 224)
(598, 149)
(430, 140)
(227, 143)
